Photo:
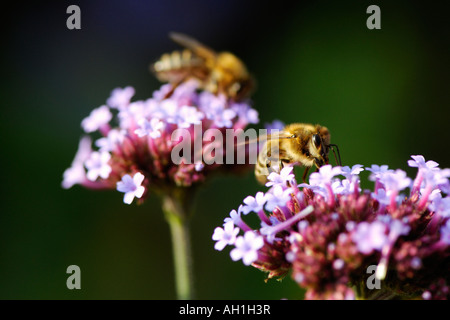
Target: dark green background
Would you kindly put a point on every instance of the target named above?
(384, 94)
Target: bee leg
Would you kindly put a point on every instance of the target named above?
(305, 173)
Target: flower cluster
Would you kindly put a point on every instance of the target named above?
(341, 242)
(136, 139)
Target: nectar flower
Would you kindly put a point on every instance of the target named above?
(131, 187)
(353, 171)
(329, 246)
(284, 176)
(98, 118)
(152, 128)
(76, 174)
(324, 175)
(445, 233)
(370, 236)
(275, 125)
(247, 247)
(97, 165)
(395, 180)
(150, 133)
(254, 204)
(120, 97)
(225, 236)
(419, 162)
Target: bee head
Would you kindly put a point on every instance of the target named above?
(319, 150)
(319, 146)
(321, 142)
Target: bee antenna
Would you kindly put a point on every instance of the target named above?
(334, 152)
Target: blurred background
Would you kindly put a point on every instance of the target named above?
(384, 95)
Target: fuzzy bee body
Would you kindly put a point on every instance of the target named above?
(221, 72)
(297, 144)
(178, 65)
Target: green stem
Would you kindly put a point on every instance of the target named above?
(176, 212)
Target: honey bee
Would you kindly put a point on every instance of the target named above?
(221, 72)
(298, 143)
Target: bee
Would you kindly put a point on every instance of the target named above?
(298, 143)
(221, 72)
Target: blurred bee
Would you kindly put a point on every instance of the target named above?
(219, 72)
(298, 143)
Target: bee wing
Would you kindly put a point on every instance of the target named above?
(190, 43)
(266, 137)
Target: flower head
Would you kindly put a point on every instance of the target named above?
(328, 245)
(163, 138)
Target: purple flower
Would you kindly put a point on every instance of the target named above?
(254, 204)
(245, 113)
(159, 119)
(277, 197)
(215, 109)
(275, 125)
(120, 97)
(395, 180)
(131, 186)
(324, 176)
(76, 173)
(419, 162)
(323, 243)
(283, 177)
(96, 119)
(267, 229)
(370, 236)
(199, 166)
(112, 140)
(445, 233)
(382, 196)
(396, 229)
(355, 170)
(441, 206)
(377, 171)
(436, 177)
(189, 116)
(97, 165)
(343, 186)
(247, 247)
(152, 128)
(225, 236)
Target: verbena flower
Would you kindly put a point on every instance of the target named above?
(140, 136)
(131, 186)
(225, 236)
(332, 236)
(247, 247)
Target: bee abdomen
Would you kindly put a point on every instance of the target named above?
(177, 60)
